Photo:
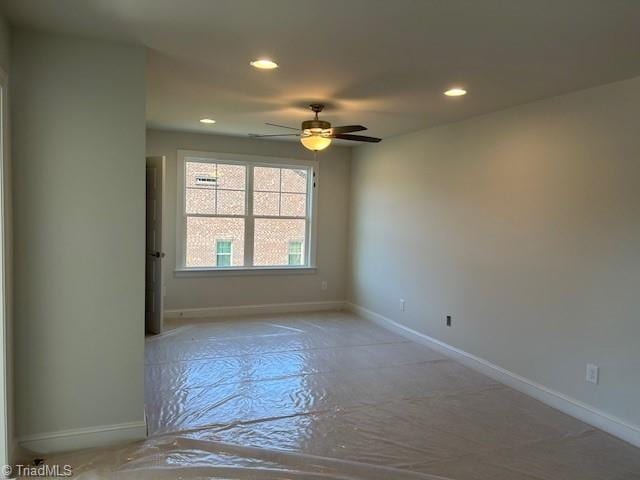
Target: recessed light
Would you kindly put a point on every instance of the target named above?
(207, 120)
(455, 92)
(264, 64)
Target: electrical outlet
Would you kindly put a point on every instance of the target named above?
(592, 373)
(403, 305)
(323, 285)
(448, 320)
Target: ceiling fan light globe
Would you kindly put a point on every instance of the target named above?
(315, 143)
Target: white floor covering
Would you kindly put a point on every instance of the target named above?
(331, 396)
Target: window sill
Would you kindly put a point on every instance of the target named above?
(241, 271)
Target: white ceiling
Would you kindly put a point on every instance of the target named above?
(383, 64)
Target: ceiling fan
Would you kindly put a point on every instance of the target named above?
(317, 134)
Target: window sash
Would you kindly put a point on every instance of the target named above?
(307, 256)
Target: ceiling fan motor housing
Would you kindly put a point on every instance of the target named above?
(315, 125)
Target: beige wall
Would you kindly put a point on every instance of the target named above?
(78, 148)
(216, 291)
(5, 46)
(525, 226)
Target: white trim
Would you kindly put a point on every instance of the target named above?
(249, 223)
(269, 308)
(312, 217)
(588, 414)
(80, 438)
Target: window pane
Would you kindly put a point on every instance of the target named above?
(220, 189)
(201, 200)
(266, 179)
(231, 176)
(202, 234)
(272, 239)
(294, 181)
(265, 203)
(230, 202)
(200, 174)
(293, 205)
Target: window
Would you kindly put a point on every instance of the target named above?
(295, 252)
(240, 212)
(223, 253)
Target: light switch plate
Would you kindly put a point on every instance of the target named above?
(592, 373)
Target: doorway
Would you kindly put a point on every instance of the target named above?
(154, 285)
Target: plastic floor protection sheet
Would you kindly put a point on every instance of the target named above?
(331, 396)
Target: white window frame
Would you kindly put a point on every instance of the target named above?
(249, 161)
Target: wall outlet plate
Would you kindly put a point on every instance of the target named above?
(592, 373)
(403, 304)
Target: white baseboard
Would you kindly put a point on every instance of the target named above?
(588, 414)
(79, 438)
(269, 308)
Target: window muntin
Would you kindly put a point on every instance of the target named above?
(260, 210)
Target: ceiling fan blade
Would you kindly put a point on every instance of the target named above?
(281, 126)
(257, 135)
(357, 138)
(348, 129)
